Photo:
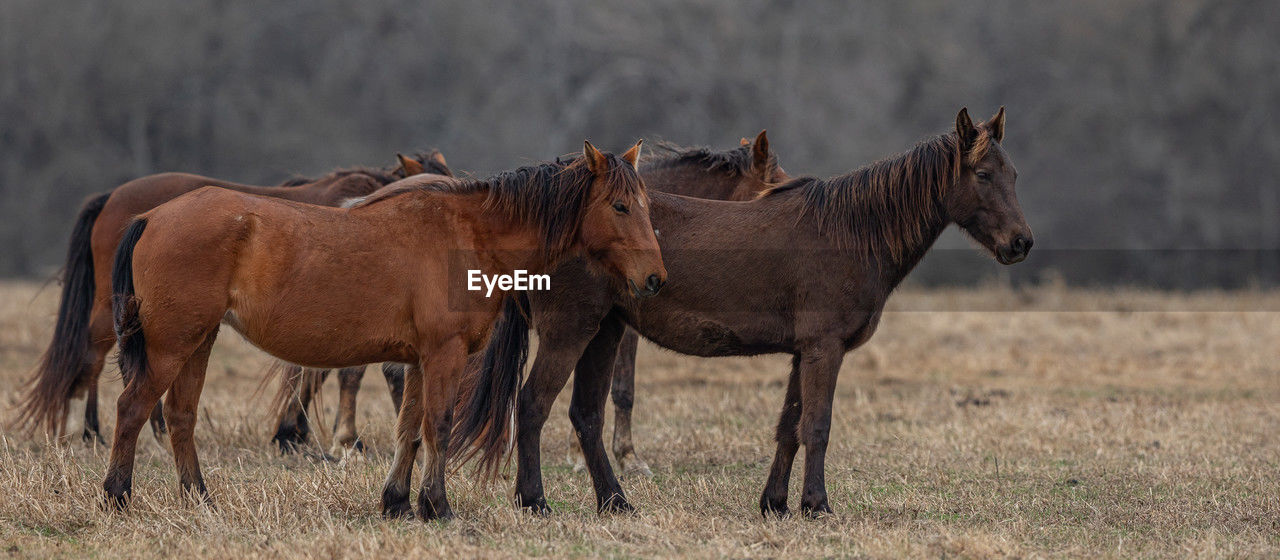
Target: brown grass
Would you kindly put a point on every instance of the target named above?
(966, 431)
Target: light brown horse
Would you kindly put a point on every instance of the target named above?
(740, 173)
(386, 280)
(83, 334)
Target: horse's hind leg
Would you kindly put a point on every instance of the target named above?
(394, 373)
(344, 424)
(774, 498)
(102, 335)
(623, 392)
(395, 491)
(586, 411)
(180, 408)
(292, 428)
(132, 411)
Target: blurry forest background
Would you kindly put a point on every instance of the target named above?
(1145, 132)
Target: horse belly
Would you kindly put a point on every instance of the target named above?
(319, 342)
(710, 336)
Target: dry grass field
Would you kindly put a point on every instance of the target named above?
(976, 423)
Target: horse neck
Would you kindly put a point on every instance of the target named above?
(504, 243)
(898, 270)
(894, 241)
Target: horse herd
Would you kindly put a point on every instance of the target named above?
(707, 253)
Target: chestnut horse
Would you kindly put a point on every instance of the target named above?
(255, 263)
(736, 174)
(83, 334)
(805, 269)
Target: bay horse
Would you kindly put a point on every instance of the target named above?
(804, 269)
(83, 333)
(736, 174)
(216, 255)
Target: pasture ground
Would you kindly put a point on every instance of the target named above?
(999, 423)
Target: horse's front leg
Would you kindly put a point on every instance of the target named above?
(394, 374)
(774, 498)
(819, 367)
(558, 350)
(345, 438)
(395, 491)
(442, 372)
(586, 411)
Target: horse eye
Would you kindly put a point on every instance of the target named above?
(621, 208)
(985, 176)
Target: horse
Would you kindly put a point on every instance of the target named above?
(739, 174)
(804, 269)
(736, 174)
(83, 334)
(218, 256)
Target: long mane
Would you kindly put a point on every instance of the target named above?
(551, 196)
(884, 209)
(735, 161)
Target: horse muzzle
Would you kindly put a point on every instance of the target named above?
(1016, 251)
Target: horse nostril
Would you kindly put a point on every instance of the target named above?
(653, 283)
(1022, 245)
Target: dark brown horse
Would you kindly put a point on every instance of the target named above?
(805, 269)
(83, 334)
(354, 291)
(737, 174)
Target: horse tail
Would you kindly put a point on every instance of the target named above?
(128, 321)
(484, 425)
(63, 368)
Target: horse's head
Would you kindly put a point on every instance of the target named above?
(983, 200)
(422, 163)
(764, 171)
(615, 222)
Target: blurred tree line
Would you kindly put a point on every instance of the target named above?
(1141, 128)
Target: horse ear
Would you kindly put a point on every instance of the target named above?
(438, 157)
(760, 153)
(633, 155)
(409, 166)
(965, 130)
(596, 161)
(996, 125)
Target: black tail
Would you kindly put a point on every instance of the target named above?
(133, 347)
(64, 366)
(482, 428)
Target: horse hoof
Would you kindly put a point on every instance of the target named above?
(91, 437)
(616, 505)
(113, 502)
(443, 517)
(773, 508)
(638, 468)
(538, 507)
(819, 511)
(397, 511)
